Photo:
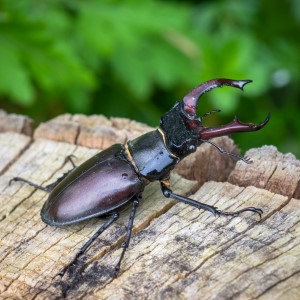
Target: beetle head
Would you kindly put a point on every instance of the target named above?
(184, 131)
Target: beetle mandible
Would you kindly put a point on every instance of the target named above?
(105, 183)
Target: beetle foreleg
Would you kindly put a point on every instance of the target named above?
(103, 227)
(214, 210)
(135, 204)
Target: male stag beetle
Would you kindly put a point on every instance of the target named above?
(108, 181)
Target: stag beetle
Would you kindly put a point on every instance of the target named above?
(102, 185)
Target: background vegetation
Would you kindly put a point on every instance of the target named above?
(135, 58)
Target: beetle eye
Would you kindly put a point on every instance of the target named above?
(192, 148)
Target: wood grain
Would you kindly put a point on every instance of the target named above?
(177, 252)
(270, 170)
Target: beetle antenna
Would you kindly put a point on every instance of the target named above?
(247, 160)
(209, 113)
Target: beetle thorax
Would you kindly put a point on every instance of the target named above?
(151, 157)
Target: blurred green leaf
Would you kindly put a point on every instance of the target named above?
(136, 58)
(14, 78)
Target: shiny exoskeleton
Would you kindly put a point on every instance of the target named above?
(108, 181)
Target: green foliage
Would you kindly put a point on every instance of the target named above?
(136, 58)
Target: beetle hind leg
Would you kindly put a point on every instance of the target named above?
(101, 229)
(110, 221)
(135, 204)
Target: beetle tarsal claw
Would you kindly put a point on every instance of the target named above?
(115, 272)
(247, 160)
(238, 212)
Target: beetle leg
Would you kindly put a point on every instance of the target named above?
(237, 212)
(167, 192)
(50, 186)
(135, 204)
(209, 113)
(45, 189)
(70, 159)
(214, 210)
(102, 228)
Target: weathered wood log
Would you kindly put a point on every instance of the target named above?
(15, 123)
(177, 252)
(270, 170)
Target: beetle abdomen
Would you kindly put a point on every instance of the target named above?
(100, 185)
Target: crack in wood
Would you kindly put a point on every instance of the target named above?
(277, 283)
(16, 157)
(77, 135)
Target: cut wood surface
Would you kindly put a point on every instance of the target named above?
(177, 251)
(15, 123)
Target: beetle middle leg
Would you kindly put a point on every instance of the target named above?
(49, 187)
(167, 192)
